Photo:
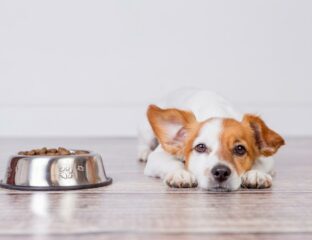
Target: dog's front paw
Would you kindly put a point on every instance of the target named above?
(256, 179)
(143, 154)
(180, 179)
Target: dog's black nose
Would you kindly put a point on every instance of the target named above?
(220, 173)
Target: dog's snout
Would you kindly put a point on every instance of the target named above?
(221, 173)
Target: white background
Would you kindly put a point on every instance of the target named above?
(88, 68)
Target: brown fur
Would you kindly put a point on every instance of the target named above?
(189, 144)
(235, 133)
(252, 133)
(266, 140)
(158, 118)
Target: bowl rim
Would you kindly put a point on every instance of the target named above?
(89, 153)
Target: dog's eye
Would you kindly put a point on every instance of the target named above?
(239, 150)
(201, 148)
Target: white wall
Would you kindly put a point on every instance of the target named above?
(88, 68)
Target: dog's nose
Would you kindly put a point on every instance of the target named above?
(221, 172)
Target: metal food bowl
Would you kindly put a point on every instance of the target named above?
(50, 173)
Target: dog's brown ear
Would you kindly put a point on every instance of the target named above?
(171, 127)
(266, 140)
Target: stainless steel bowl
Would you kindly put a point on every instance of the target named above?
(67, 172)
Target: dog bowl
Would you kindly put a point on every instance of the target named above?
(62, 172)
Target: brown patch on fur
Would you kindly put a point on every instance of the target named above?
(233, 134)
(176, 131)
(254, 135)
(267, 141)
(163, 122)
(189, 143)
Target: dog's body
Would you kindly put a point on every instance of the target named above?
(205, 141)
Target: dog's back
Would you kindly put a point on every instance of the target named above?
(204, 104)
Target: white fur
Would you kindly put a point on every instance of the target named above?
(163, 165)
(180, 178)
(204, 105)
(160, 163)
(200, 164)
(256, 179)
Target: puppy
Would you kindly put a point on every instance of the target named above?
(198, 138)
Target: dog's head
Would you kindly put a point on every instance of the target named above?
(218, 150)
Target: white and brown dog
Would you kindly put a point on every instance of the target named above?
(205, 142)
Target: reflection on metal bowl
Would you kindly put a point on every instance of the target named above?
(51, 173)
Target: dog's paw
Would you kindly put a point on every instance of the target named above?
(143, 154)
(180, 179)
(256, 179)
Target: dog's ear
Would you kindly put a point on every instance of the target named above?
(172, 127)
(267, 141)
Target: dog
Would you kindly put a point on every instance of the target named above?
(197, 138)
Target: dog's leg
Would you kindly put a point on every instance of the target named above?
(260, 176)
(265, 164)
(165, 166)
(147, 141)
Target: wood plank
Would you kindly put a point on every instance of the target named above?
(68, 213)
(157, 236)
(138, 207)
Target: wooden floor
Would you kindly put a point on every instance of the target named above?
(138, 207)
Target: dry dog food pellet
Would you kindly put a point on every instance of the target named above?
(80, 152)
(51, 152)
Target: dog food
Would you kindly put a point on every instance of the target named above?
(51, 152)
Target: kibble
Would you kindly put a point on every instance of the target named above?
(80, 152)
(61, 151)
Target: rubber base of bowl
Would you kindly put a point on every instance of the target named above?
(56, 188)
